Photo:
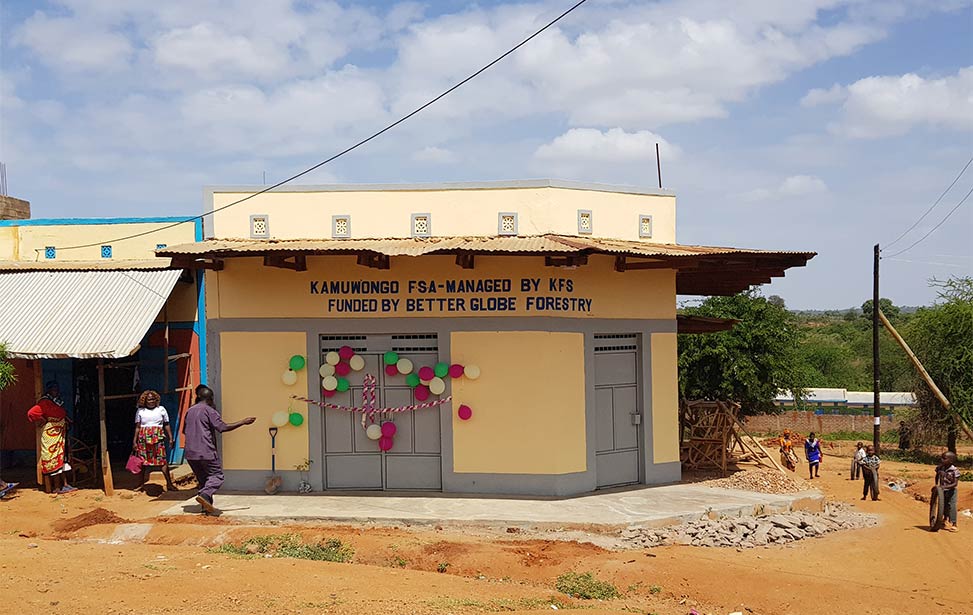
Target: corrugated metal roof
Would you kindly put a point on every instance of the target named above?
(102, 265)
(80, 314)
(540, 244)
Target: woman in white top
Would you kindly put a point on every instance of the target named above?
(151, 430)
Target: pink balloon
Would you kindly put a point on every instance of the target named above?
(342, 369)
(465, 412)
(346, 352)
(328, 393)
(391, 370)
(389, 429)
(455, 370)
(385, 443)
(422, 392)
(426, 373)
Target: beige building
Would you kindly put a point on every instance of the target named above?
(545, 312)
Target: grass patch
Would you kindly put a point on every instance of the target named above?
(398, 562)
(289, 546)
(585, 586)
(442, 567)
(966, 477)
(502, 604)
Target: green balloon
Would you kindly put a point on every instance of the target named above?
(412, 380)
(343, 384)
(391, 358)
(297, 363)
(296, 419)
(441, 369)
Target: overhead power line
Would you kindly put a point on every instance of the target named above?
(375, 135)
(930, 232)
(931, 207)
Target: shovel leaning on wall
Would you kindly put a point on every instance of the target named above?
(273, 482)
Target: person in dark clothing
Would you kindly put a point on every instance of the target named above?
(201, 424)
(869, 467)
(905, 436)
(947, 477)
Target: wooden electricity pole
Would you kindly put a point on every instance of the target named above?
(876, 386)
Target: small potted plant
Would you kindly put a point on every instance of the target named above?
(304, 468)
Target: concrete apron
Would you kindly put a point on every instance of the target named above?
(645, 506)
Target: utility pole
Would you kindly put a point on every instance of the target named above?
(877, 408)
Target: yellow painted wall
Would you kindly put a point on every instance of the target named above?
(528, 404)
(455, 212)
(665, 398)
(181, 305)
(252, 364)
(28, 242)
(248, 289)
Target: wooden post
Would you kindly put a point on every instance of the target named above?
(105, 460)
(922, 372)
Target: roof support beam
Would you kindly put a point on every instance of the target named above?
(465, 260)
(295, 262)
(570, 260)
(188, 262)
(374, 260)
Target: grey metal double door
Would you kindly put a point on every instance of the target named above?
(618, 411)
(352, 460)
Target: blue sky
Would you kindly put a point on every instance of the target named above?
(825, 125)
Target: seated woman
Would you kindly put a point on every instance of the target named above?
(50, 414)
(151, 430)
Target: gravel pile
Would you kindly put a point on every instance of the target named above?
(762, 480)
(746, 532)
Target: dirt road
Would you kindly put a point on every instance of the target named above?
(895, 568)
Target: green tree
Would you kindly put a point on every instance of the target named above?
(891, 312)
(831, 362)
(942, 338)
(750, 363)
(7, 375)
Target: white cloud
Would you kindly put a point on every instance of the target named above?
(433, 154)
(793, 187)
(614, 145)
(893, 105)
(59, 42)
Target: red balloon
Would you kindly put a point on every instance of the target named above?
(422, 392)
(455, 370)
(391, 370)
(389, 429)
(346, 352)
(426, 373)
(385, 443)
(465, 412)
(342, 369)
(328, 393)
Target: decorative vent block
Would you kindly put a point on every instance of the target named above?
(341, 226)
(421, 225)
(50, 252)
(160, 246)
(507, 223)
(260, 226)
(106, 251)
(584, 222)
(645, 226)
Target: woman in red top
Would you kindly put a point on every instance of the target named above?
(49, 411)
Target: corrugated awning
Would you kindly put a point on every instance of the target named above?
(701, 270)
(80, 314)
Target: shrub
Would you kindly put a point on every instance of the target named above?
(585, 586)
(289, 546)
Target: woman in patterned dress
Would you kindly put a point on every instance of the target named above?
(151, 430)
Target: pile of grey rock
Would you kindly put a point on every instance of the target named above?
(747, 532)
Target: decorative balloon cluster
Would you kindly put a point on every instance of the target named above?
(337, 366)
(295, 364)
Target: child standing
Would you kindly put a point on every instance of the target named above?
(869, 467)
(856, 469)
(947, 477)
(812, 451)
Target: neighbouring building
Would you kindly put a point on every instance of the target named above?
(85, 302)
(544, 311)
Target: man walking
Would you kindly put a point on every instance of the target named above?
(201, 423)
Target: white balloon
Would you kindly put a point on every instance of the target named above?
(279, 419)
(289, 377)
(357, 362)
(329, 383)
(374, 431)
(326, 370)
(332, 358)
(425, 382)
(437, 386)
(471, 371)
(404, 366)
